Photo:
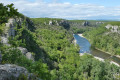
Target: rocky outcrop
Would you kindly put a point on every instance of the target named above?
(29, 56)
(0, 57)
(97, 23)
(26, 53)
(114, 28)
(53, 22)
(50, 22)
(4, 40)
(9, 31)
(65, 24)
(13, 72)
(86, 23)
(23, 50)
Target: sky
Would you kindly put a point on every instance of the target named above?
(68, 9)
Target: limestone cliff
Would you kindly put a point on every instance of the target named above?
(113, 28)
(9, 31)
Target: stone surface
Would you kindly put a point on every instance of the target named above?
(26, 53)
(86, 23)
(0, 57)
(23, 50)
(13, 72)
(4, 40)
(29, 56)
(108, 26)
(112, 28)
(50, 22)
(7, 71)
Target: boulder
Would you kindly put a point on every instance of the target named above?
(29, 56)
(8, 70)
(13, 72)
(23, 50)
(50, 22)
(26, 53)
(108, 26)
(4, 40)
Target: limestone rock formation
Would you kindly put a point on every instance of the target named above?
(26, 53)
(57, 23)
(86, 23)
(23, 50)
(65, 24)
(50, 22)
(4, 40)
(29, 55)
(0, 57)
(112, 28)
(9, 31)
(10, 72)
(99, 23)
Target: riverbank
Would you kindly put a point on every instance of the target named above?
(103, 60)
(99, 58)
(74, 40)
(81, 35)
(108, 53)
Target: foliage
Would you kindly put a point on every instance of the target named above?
(104, 39)
(6, 12)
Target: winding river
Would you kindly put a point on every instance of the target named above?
(85, 48)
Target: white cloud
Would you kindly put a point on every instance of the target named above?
(39, 8)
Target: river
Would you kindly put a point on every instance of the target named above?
(85, 47)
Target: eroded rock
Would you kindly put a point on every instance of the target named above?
(0, 57)
(29, 56)
(23, 50)
(50, 22)
(112, 28)
(9, 71)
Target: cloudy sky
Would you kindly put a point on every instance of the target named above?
(69, 9)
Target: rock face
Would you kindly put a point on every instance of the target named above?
(50, 22)
(9, 31)
(0, 57)
(9, 71)
(86, 23)
(4, 40)
(26, 53)
(65, 24)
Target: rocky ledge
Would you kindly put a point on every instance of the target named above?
(14, 72)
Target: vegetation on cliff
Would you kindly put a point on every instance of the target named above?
(106, 39)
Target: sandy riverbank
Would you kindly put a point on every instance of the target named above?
(103, 60)
(81, 35)
(108, 53)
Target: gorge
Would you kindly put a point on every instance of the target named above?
(42, 48)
